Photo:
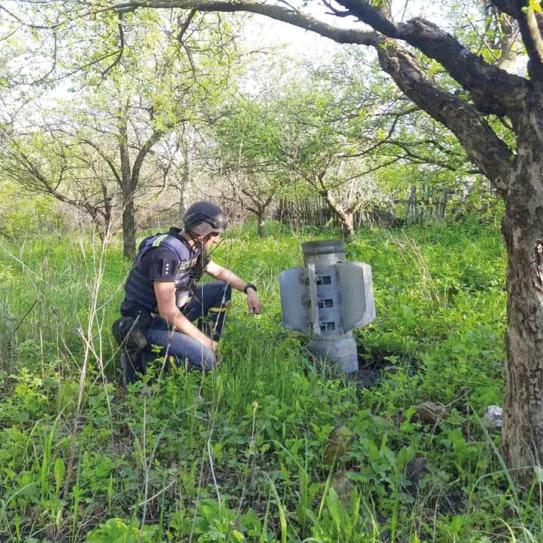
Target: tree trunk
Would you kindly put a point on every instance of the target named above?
(523, 405)
(129, 221)
(346, 219)
(261, 220)
(186, 175)
(108, 214)
(347, 226)
(129, 227)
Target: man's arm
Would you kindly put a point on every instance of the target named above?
(218, 272)
(165, 296)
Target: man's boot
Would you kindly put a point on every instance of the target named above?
(132, 340)
(132, 364)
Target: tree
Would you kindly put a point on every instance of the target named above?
(514, 169)
(485, 92)
(334, 143)
(100, 149)
(247, 145)
(46, 162)
(324, 136)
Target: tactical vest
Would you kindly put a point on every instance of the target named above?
(139, 290)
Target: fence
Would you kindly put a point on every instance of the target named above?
(426, 203)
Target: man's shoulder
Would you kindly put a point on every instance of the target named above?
(162, 262)
(160, 246)
(175, 245)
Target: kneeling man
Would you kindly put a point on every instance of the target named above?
(164, 305)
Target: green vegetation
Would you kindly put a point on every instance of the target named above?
(243, 454)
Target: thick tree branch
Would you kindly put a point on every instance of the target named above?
(494, 89)
(531, 31)
(506, 6)
(140, 157)
(484, 148)
(286, 15)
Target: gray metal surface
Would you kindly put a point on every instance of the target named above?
(339, 350)
(323, 253)
(356, 292)
(294, 307)
(327, 299)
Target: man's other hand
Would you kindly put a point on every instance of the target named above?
(253, 302)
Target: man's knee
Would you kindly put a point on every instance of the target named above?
(207, 362)
(204, 360)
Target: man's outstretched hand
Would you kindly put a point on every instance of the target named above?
(253, 302)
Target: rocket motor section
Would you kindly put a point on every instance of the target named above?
(327, 299)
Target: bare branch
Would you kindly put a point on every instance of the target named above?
(45, 76)
(413, 156)
(23, 23)
(185, 25)
(106, 159)
(140, 157)
(380, 142)
(362, 174)
(121, 48)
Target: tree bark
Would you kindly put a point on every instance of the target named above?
(346, 219)
(129, 215)
(347, 226)
(523, 233)
(259, 205)
(523, 405)
(129, 227)
(261, 221)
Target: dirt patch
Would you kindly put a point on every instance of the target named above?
(374, 365)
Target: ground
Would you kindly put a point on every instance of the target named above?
(240, 454)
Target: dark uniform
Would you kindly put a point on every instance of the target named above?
(170, 258)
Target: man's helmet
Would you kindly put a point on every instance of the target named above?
(204, 218)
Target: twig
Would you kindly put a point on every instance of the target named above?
(121, 47)
(25, 315)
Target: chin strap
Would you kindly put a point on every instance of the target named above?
(189, 234)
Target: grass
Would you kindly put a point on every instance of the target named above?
(239, 454)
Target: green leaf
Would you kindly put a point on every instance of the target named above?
(334, 508)
(59, 470)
